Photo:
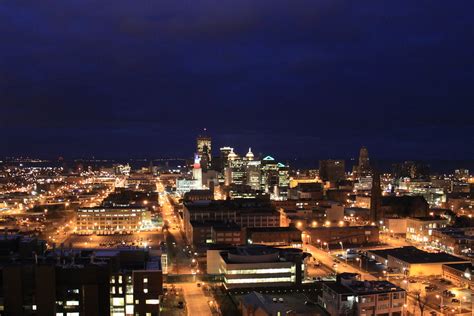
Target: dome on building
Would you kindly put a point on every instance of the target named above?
(232, 155)
(249, 155)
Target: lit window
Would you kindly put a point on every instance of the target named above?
(118, 301)
(152, 302)
(120, 290)
(112, 280)
(72, 303)
(33, 307)
(120, 279)
(145, 290)
(129, 299)
(129, 309)
(145, 280)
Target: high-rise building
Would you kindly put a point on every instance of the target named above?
(332, 170)
(254, 174)
(376, 213)
(363, 168)
(197, 170)
(204, 150)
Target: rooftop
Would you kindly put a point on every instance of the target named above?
(414, 255)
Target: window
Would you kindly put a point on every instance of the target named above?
(118, 301)
(152, 302)
(145, 291)
(120, 279)
(72, 303)
(145, 280)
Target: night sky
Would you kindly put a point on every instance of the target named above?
(294, 78)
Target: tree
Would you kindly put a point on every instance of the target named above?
(420, 302)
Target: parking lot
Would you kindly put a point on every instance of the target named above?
(137, 240)
(436, 292)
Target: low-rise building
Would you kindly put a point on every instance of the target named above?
(350, 296)
(461, 274)
(111, 220)
(243, 212)
(259, 304)
(458, 241)
(274, 236)
(396, 226)
(214, 232)
(412, 261)
(350, 235)
(420, 229)
(257, 266)
(198, 195)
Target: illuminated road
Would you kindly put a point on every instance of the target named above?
(196, 301)
(325, 258)
(178, 253)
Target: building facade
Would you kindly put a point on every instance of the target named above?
(111, 220)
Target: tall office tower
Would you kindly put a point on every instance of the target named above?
(204, 150)
(332, 170)
(197, 171)
(269, 179)
(376, 213)
(254, 174)
(237, 167)
(364, 165)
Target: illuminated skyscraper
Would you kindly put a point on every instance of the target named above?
(197, 171)
(204, 150)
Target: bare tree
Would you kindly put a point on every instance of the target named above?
(420, 302)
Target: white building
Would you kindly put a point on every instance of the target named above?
(257, 266)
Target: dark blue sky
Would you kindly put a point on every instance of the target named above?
(307, 78)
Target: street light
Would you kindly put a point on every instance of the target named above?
(441, 298)
(360, 262)
(342, 248)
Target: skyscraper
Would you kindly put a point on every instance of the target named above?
(204, 149)
(364, 164)
(376, 214)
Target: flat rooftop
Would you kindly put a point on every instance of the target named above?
(363, 287)
(414, 255)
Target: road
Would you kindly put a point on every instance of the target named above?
(196, 301)
(326, 259)
(179, 253)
